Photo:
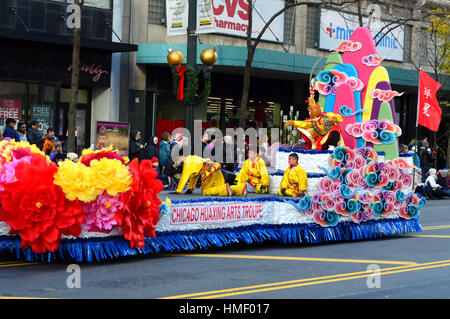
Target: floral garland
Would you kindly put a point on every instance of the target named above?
(95, 195)
(191, 94)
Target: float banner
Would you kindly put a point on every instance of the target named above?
(208, 213)
(336, 27)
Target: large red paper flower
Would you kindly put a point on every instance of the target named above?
(140, 212)
(37, 209)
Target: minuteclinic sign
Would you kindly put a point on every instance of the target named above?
(208, 213)
(336, 27)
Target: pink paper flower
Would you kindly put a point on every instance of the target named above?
(8, 171)
(99, 214)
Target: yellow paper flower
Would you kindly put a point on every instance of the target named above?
(77, 181)
(111, 175)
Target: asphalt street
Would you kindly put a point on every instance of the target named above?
(413, 266)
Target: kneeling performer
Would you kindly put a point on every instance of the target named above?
(294, 179)
(212, 181)
(253, 176)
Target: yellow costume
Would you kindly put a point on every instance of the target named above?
(254, 173)
(294, 181)
(213, 183)
(316, 131)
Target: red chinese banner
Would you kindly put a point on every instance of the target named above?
(428, 111)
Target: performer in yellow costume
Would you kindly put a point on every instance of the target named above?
(294, 179)
(254, 172)
(321, 130)
(213, 183)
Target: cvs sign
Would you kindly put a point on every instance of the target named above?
(231, 18)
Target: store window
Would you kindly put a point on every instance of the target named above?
(82, 117)
(156, 13)
(26, 102)
(13, 97)
(42, 105)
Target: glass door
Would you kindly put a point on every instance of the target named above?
(82, 118)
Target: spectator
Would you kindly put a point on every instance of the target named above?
(262, 155)
(164, 150)
(230, 155)
(441, 175)
(151, 149)
(412, 145)
(22, 130)
(436, 190)
(418, 184)
(208, 148)
(155, 163)
(229, 159)
(73, 157)
(425, 158)
(59, 157)
(136, 149)
(416, 160)
(10, 131)
(172, 173)
(58, 150)
(49, 143)
(447, 179)
(34, 136)
(403, 149)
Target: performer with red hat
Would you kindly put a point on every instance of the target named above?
(321, 130)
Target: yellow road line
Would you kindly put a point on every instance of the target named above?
(6, 297)
(429, 236)
(301, 281)
(16, 264)
(322, 281)
(339, 260)
(435, 227)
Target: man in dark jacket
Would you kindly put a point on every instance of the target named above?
(10, 131)
(34, 136)
(425, 158)
(136, 149)
(172, 174)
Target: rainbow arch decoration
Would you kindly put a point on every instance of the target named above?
(357, 87)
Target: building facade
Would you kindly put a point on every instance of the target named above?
(282, 66)
(36, 60)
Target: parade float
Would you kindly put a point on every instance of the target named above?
(104, 207)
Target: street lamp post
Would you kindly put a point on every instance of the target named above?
(191, 61)
(208, 58)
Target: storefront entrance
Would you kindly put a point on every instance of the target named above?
(82, 117)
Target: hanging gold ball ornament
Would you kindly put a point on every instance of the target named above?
(175, 57)
(209, 56)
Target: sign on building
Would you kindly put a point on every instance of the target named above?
(227, 17)
(44, 115)
(9, 108)
(337, 26)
